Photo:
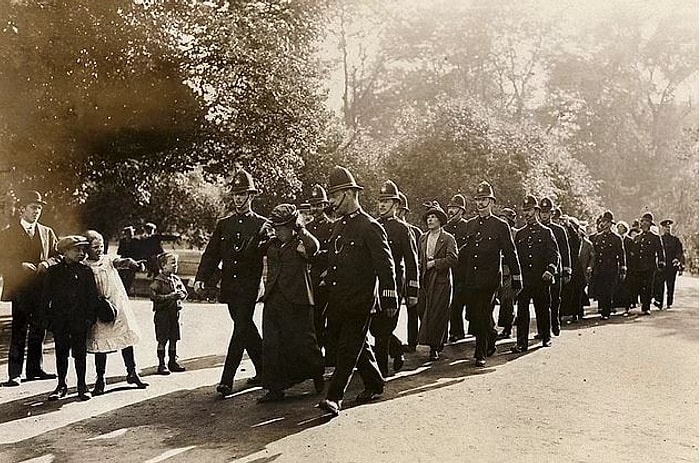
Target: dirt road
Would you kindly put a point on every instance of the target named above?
(617, 391)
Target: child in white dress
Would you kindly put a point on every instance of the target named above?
(121, 333)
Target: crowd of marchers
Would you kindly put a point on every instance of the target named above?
(334, 275)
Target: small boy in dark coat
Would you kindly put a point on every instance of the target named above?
(69, 308)
(167, 294)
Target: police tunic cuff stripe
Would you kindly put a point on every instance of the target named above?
(516, 277)
(388, 293)
(552, 267)
(413, 284)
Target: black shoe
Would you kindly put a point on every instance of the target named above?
(368, 395)
(503, 335)
(480, 362)
(646, 312)
(99, 387)
(556, 330)
(133, 378)
(490, 351)
(254, 381)
(40, 375)
(605, 317)
(398, 363)
(271, 396)
(224, 389)
(12, 382)
(547, 343)
(408, 348)
(434, 356)
(330, 406)
(59, 393)
(658, 304)
(83, 395)
(163, 370)
(516, 349)
(319, 384)
(538, 336)
(175, 367)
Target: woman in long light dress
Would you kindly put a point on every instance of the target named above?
(121, 333)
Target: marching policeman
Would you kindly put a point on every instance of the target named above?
(320, 228)
(405, 254)
(506, 296)
(360, 268)
(650, 257)
(457, 226)
(539, 258)
(488, 240)
(673, 248)
(563, 275)
(412, 310)
(237, 245)
(608, 264)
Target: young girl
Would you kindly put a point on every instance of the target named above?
(167, 294)
(121, 333)
(290, 351)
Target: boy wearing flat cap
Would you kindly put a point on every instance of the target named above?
(69, 309)
(28, 249)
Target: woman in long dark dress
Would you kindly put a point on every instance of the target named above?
(437, 255)
(290, 351)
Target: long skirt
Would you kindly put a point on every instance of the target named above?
(434, 311)
(290, 351)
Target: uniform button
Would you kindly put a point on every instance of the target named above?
(240, 220)
(474, 268)
(530, 265)
(344, 222)
(529, 255)
(334, 283)
(334, 267)
(234, 276)
(477, 245)
(475, 256)
(235, 261)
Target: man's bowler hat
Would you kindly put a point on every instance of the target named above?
(30, 197)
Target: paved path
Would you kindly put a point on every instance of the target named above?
(622, 390)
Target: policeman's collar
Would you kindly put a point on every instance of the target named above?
(354, 214)
(245, 213)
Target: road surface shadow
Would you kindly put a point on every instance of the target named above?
(236, 425)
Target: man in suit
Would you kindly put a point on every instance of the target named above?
(457, 226)
(539, 257)
(361, 281)
(29, 249)
(237, 244)
(673, 248)
(488, 241)
(412, 310)
(404, 251)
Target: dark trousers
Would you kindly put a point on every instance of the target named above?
(352, 350)
(480, 301)
(127, 355)
(127, 276)
(539, 294)
(555, 303)
(320, 300)
(412, 328)
(385, 343)
(245, 337)
(605, 290)
(69, 342)
(457, 313)
(642, 282)
(25, 332)
(506, 311)
(665, 280)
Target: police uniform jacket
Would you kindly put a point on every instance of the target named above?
(360, 267)
(404, 251)
(673, 248)
(287, 269)
(651, 252)
(609, 253)
(458, 229)
(563, 246)
(19, 247)
(237, 245)
(321, 228)
(69, 297)
(488, 239)
(537, 252)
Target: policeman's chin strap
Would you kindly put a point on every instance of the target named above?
(336, 207)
